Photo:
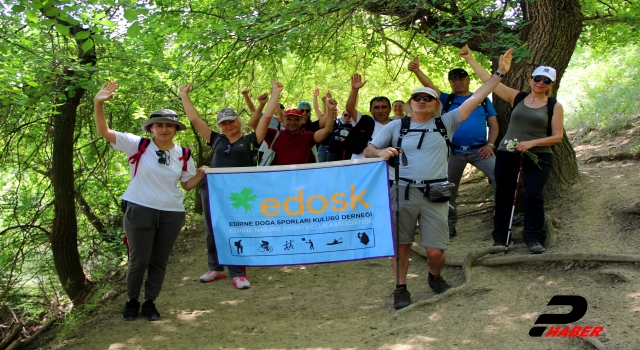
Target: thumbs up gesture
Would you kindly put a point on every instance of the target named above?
(414, 65)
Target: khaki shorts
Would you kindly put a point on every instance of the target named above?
(433, 218)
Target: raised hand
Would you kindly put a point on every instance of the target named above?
(356, 81)
(414, 65)
(106, 92)
(276, 87)
(465, 52)
(264, 98)
(184, 89)
(505, 61)
(331, 104)
(316, 92)
(245, 92)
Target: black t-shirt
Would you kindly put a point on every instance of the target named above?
(239, 154)
(340, 132)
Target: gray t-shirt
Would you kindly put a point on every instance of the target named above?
(527, 124)
(430, 161)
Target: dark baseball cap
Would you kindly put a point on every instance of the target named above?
(458, 72)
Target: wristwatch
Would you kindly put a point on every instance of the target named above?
(499, 74)
(491, 144)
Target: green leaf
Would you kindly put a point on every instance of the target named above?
(18, 8)
(99, 39)
(83, 35)
(52, 11)
(134, 29)
(107, 23)
(130, 15)
(87, 45)
(32, 16)
(62, 29)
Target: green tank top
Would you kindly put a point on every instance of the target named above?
(527, 124)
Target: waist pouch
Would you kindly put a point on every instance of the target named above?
(438, 191)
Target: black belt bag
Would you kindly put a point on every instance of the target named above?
(436, 190)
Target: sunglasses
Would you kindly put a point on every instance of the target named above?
(426, 98)
(346, 115)
(539, 78)
(305, 110)
(228, 150)
(164, 157)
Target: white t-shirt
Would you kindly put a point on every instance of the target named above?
(376, 130)
(155, 185)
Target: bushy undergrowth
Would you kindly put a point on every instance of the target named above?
(601, 92)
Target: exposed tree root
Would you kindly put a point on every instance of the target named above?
(466, 270)
(478, 211)
(634, 209)
(475, 201)
(550, 257)
(615, 156)
(620, 274)
(19, 344)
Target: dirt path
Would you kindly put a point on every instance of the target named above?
(346, 306)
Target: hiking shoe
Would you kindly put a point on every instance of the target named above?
(452, 232)
(131, 308)
(241, 282)
(401, 298)
(497, 244)
(212, 276)
(438, 284)
(149, 311)
(517, 219)
(535, 247)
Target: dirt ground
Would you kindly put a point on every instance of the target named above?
(348, 305)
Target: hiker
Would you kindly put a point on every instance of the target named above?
(323, 146)
(535, 125)
(420, 192)
(398, 110)
(470, 144)
(154, 213)
(365, 127)
(291, 146)
(231, 148)
(341, 131)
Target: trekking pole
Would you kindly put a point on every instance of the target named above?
(513, 208)
(397, 179)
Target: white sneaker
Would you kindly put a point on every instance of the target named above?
(241, 282)
(212, 276)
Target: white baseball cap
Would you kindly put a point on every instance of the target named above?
(545, 71)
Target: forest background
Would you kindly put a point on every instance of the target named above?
(60, 183)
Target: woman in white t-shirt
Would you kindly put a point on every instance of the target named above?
(154, 213)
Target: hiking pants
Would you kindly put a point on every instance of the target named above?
(212, 257)
(457, 163)
(507, 165)
(150, 235)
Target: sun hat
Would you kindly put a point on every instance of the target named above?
(226, 114)
(163, 116)
(425, 90)
(545, 71)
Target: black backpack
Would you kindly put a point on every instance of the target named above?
(405, 129)
(360, 135)
(551, 103)
(452, 97)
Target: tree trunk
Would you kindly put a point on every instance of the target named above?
(551, 37)
(64, 232)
